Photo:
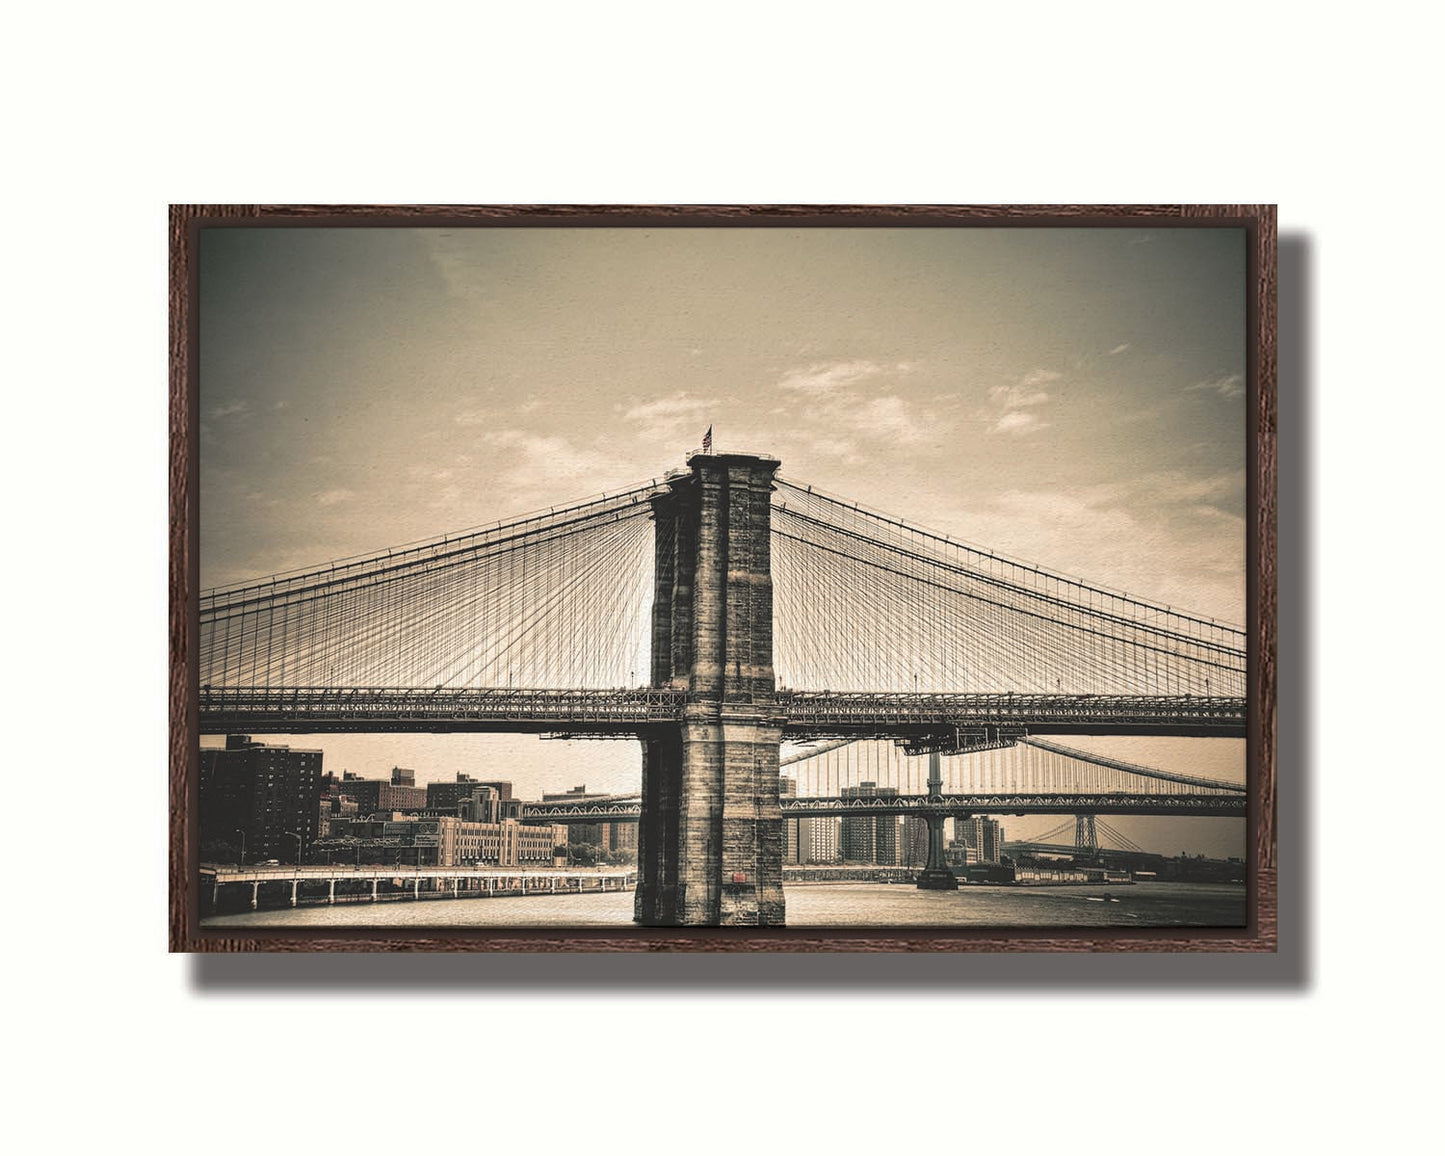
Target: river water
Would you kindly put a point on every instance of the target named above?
(811, 905)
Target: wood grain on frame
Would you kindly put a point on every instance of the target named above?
(1261, 932)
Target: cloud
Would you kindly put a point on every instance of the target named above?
(675, 407)
(1120, 535)
(1215, 514)
(1179, 487)
(1226, 385)
(852, 415)
(677, 418)
(236, 407)
(1018, 422)
(891, 418)
(1017, 396)
(1018, 402)
(807, 445)
(533, 470)
(334, 497)
(825, 377)
(1118, 349)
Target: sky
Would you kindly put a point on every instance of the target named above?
(1071, 397)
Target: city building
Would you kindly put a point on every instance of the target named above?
(482, 805)
(447, 796)
(334, 807)
(439, 841)
(959, 854)
(983, 835)
(470, 799)
(818, 840)
(262, 801)
(869, 838)
(620, 838)
(402, 777)
(913, 847)
(375, 795)
(788, 789)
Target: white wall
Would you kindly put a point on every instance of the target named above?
(118, 112)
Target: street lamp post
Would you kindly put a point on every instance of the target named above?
(242, 833)
(300, 847)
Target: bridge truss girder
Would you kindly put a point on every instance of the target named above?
(925, 722)
(949, 805)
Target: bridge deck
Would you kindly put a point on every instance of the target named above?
(803, 714)
(1201, 803)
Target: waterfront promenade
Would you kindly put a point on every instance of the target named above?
(279, 886)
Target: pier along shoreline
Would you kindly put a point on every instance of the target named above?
(226, 889)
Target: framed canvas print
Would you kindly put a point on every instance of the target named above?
(736, 578)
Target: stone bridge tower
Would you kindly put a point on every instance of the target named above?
(710, 841)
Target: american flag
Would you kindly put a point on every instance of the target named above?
(707, 441)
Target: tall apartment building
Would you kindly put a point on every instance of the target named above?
(818, 840)
(268, 797)
(983, 835)
(913, 847)
(788, 789)
(869, 838)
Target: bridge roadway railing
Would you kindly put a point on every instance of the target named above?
(1020, 803)
(802, 714)
(1201, 803)
(324, 709)
(834, 712)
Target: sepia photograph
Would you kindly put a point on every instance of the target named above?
(615, 572)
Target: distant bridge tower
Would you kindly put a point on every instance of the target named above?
(1086, 838)
(936, 876)
(710, 840)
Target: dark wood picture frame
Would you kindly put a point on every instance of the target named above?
(1260, 932)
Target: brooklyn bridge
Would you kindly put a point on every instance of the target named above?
(713, 615)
